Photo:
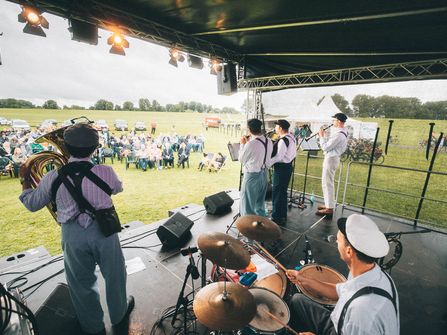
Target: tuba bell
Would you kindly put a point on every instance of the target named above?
(37, 165)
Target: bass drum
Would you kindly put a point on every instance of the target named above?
(322, 273)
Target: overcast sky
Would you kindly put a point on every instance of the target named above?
(55, 67)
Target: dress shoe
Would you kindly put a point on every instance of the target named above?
(130, 306)
(321, 207)
(327, 211)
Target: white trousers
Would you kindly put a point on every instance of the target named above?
(330, 165)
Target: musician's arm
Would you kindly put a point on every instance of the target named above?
(35, 199)
(327, 290)
(328, 145)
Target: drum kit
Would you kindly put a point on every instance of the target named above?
(228, 305)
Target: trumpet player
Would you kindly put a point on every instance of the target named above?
(333, 147)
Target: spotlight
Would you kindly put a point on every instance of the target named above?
(176, 56)
(215, 66)
(195, 62)
(34, 21)
(118, 43)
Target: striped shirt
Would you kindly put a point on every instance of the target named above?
(67, 209)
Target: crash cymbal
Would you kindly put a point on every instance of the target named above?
(258, 228)
(218, 312)
(224, 250)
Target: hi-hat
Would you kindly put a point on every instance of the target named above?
(219, 312)
(258, 228)
(224, 250)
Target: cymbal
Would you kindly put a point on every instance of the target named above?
(224, 250)
(258, 228)
(219, 313)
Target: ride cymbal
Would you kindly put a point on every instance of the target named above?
(219, 312)
(224, 250)
(258, 228)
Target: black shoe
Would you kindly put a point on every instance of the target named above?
(102, 332)
(125, 320)
(280, 222)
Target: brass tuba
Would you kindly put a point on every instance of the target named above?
(40, 163)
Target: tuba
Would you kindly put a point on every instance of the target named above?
(37, 165)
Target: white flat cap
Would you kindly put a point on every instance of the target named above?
(364, 235)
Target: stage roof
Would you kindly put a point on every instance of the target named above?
(281, 37)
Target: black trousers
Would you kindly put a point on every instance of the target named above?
(308, 316)
(281, 177)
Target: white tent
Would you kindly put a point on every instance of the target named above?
(313, 111)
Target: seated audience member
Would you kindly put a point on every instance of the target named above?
(168, 156)
(183, 154)
(216, 162)
(143, 157)
(205, 160)
(18, 159)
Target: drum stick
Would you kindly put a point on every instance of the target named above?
(279, 321)
(271, 257)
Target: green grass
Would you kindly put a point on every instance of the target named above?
(149, 195)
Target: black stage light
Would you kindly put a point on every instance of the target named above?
(195, 62)
(175, 56)
(34, 21)
(215, 66)
(83, 32)
(118, 43)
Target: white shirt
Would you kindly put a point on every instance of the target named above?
(251, 154)
(369, 314)
(285, 154)
(336, 144)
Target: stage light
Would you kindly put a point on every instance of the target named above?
(215, 66)
(195, 62)
(175, 56)
(34, 21)
(118, 43)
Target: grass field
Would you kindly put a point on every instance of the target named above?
(149, 195)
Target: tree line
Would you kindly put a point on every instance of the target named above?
(390, 107)
(144, 104)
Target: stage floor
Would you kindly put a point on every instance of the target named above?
(420, 275)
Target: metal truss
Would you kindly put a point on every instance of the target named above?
(135, 25)
(429, 69)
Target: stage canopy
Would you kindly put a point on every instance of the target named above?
(308, 42)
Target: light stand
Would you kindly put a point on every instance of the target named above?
(183, 300)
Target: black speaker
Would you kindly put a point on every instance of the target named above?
(218, 203)
(227, 80)
(83, 32)
(175, 231)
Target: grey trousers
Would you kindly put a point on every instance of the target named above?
(308, 316)
(253, 191)
(83, 249)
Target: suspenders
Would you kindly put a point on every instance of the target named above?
(265, 153)
(364, 291)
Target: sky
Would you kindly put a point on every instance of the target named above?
(55, 67)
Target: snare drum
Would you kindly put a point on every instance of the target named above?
(322, 273)
(262, 323)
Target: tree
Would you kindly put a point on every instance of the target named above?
(50, 104)
(14, 103)
(144, 104)
(102, 104)
(342, 104)
(117, 107)
(155, 105)
(128, 106)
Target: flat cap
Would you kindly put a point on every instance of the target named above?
(340, 117)
(284, 124)
(364, 235)
(81, 135)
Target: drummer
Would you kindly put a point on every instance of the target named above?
(374, 310)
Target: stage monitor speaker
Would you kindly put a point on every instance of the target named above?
(227, 80)
(175, 231)
(83, 32)
(219, 203)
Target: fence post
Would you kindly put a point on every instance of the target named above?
(371, 159)
(427, 179)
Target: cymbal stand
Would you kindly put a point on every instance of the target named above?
(232, 223)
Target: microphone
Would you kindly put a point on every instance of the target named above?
(188, 251)
(308, 138)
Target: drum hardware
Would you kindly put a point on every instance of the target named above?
(258, 228)
(275, 261)
(183, 300)
(234, 220)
